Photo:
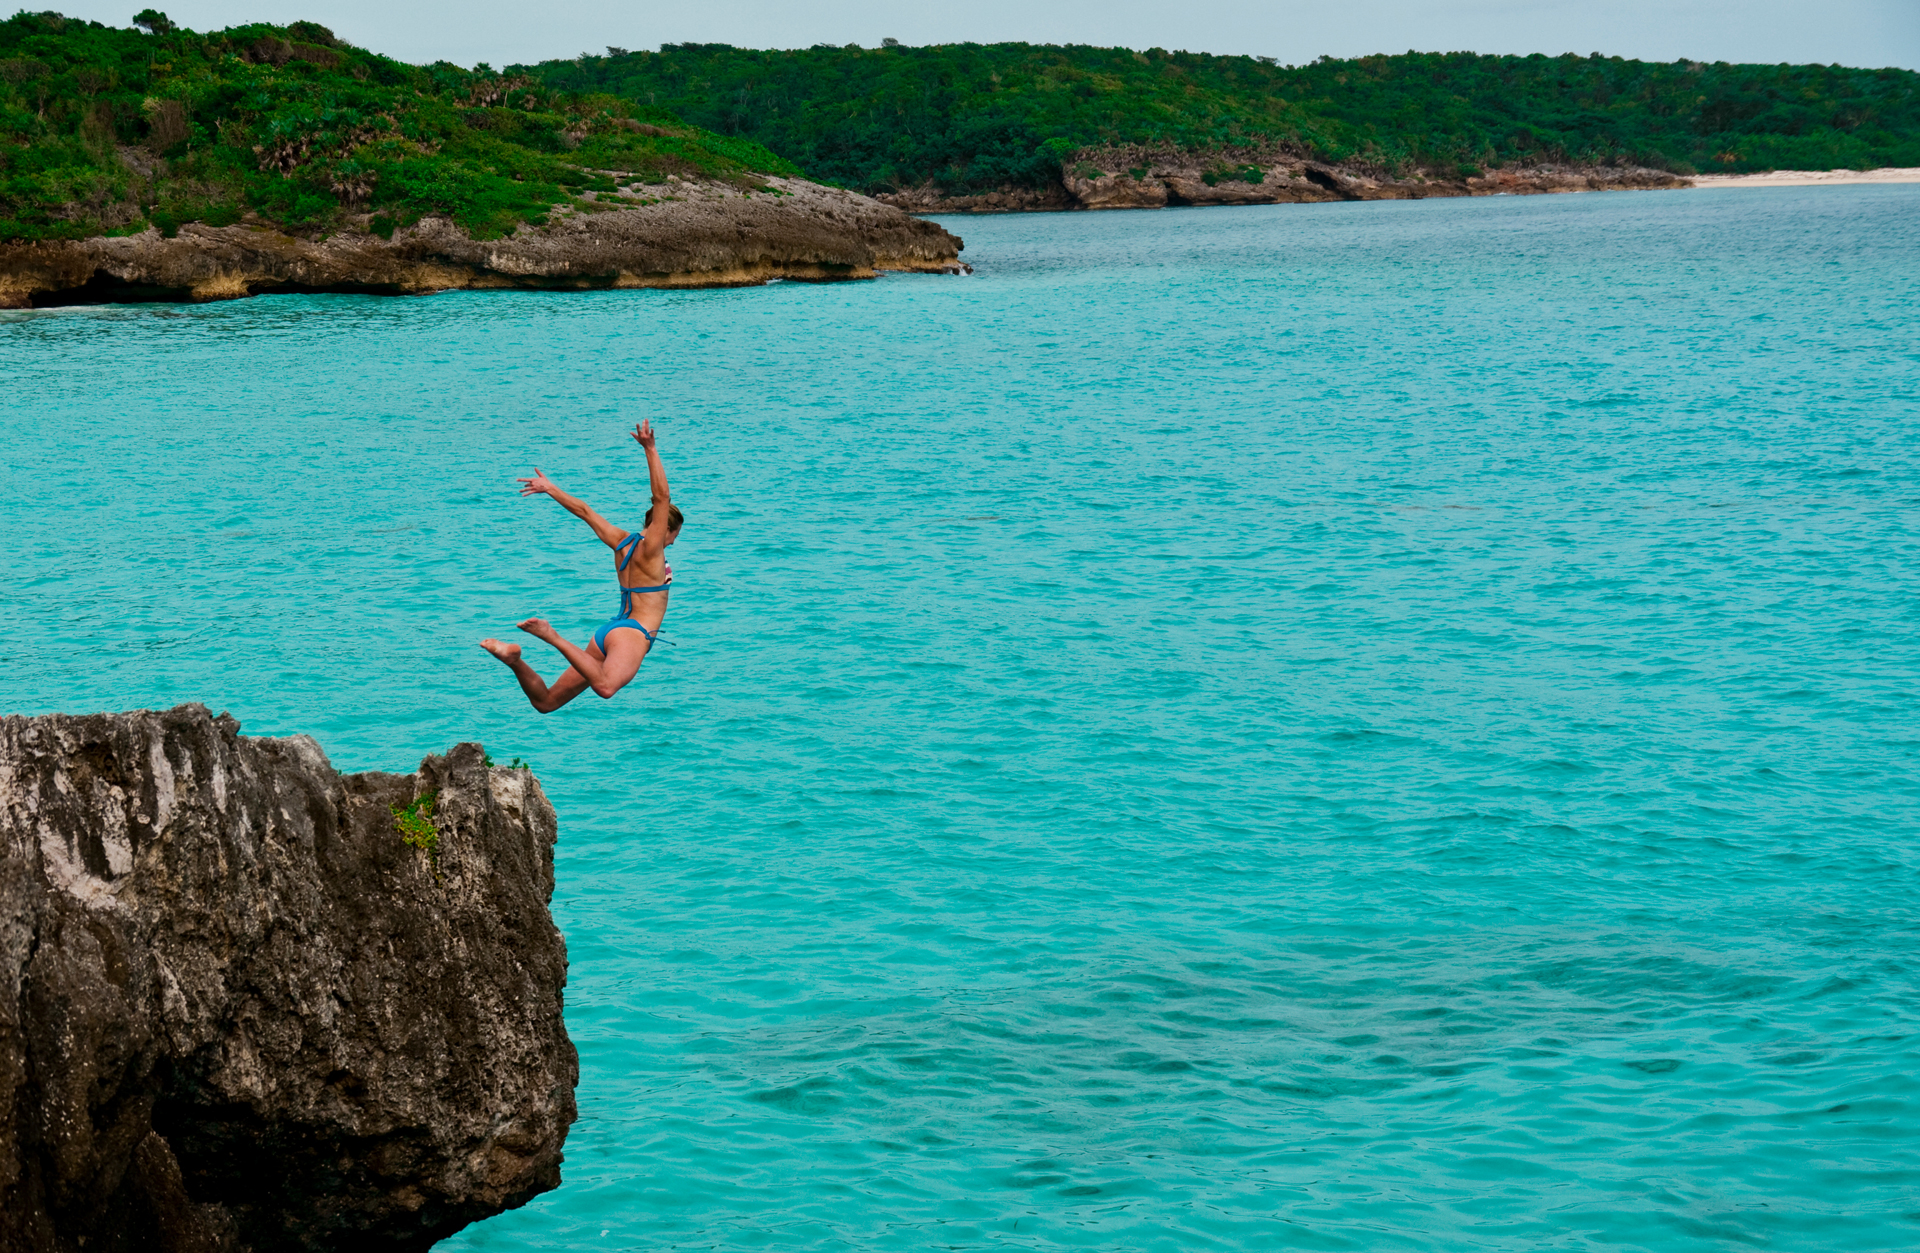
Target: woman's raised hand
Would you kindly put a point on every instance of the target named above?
(643, 433)
(538, 485)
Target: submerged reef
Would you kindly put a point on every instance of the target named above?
(249, 1003)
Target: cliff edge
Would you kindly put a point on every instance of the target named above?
(1139, 177)
(693, 233)
(240, 1011)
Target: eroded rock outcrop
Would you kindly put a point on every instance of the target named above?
(238, 1012)
(685, 233)
(930, 198)
(1156, 178)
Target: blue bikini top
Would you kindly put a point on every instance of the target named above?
(627, 548)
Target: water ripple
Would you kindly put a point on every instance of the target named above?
(1362, 727)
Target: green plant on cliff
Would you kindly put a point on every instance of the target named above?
(415, 825)
(105, 131)
(1233, 173)
(971, 117)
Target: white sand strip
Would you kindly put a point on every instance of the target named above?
(1807, 178)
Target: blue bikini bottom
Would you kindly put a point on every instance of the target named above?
(600, 636)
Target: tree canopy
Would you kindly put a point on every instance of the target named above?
(106, 130)
(969, 117)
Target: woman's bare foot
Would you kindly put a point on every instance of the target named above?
(508, 653)
(538, 628)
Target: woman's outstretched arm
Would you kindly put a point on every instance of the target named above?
(541, 485)
(659, 516)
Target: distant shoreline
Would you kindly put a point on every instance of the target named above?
(1809, 178)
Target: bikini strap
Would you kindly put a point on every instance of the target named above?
(626, 548)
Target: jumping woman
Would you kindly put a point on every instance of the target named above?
(640, 567)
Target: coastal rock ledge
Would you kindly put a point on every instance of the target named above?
(1135, 177)
(687, 233)
(238, 1012)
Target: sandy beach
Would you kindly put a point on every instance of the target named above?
(1808, 178)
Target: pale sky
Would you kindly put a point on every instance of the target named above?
(1851, 32)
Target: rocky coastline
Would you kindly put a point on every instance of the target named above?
(244, 1007)
(685, 233)
(1134, 177)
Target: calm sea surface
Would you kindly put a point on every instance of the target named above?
(1373, 727)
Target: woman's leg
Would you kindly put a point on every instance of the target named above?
(605, 673)
(544, 697)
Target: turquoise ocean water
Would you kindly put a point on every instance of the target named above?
(1374, 727)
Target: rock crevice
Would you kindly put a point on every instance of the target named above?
(239, 1012)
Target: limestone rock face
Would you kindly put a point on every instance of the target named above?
(929, 198)
(1137, 177)
(685, 233)
(1101, 190)
(238, 1012)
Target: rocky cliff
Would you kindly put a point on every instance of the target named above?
(1157, 178)
(240, 1011)
(685, 233)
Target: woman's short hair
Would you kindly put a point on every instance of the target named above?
(674, 518)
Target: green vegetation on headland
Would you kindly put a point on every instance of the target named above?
(973, 117)
(106, 131)
(103, 131)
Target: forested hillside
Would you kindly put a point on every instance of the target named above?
(104, 130)
(975, 116)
